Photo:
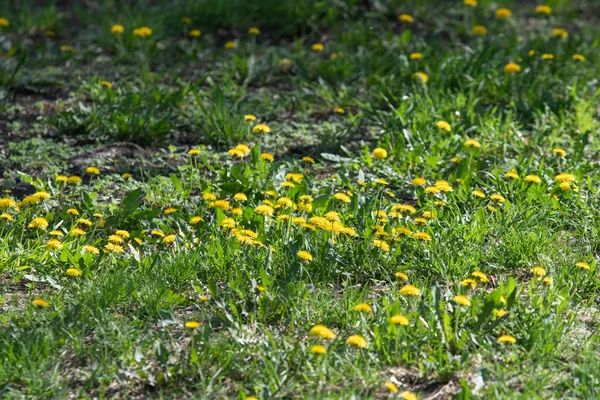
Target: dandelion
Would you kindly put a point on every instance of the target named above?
(4, 22)
(317, 349)
(106, 84)
(7, 202)
(254, 31)
(92, 171)
(169, 239)
(66, 48)
(401, 275)
(267, 157)
(512, 68)
(85, 222)
(304, 255)
(415, 56)
(39, 222)
(195, 33)
(261, 128)
(6, 216)
(73, 272)
(479, 30)
(318, 47)
(559, 152)
(500, 313)
(117, 29)
(343, 197)
(357, 341)
(399, 319)
(72, 211)
(144, 31)
(230, 45)
(77, 232)
(285, 64)
(91, 249)
(512, 174)
(481, 276)
(564, 178)
(406, 18)
(560, 33)
(418, 181)
(323, 332)
(308, 160)
(391, 387)
(54, 244)
(339, 110)
(406, 395)
(249, 118)
(547, 56)
(507, 339)
(113, 248)
(468, 283)
(470, 3)
(123, 233)
(455, 160)
(421, 236)
(497, 197)
(115, 239)
(472, 143)
(444, 126)
(578, 57)
(422, 76)
(478, 193)
(362, 307)
(583, 265)
(532, 179)
(538, 271)
(75, 180)
(41, 303)
(503, 13)
(192, 325)
(186, 20)
(543, 9)
(410, 290)
(462, 300)
(264, 210)
(547, 281)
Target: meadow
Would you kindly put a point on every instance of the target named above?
(299, 199)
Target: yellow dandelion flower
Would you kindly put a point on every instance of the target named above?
(583, 265)
(532, 179)
(547, 56)
(77, 232)
(468, 282)
(264, 210)
(507, 339)
(406, 395)
(391, 387)
(564, 178)
(578, 57)
(317, 349)
(39, 222)
(362, 307)
(472, 143)
(117, 29)
(406, 18)
(85, 222)
(339, 110)
(41, 303)
(503, 13)
(416, 56)
(74, 179)
(401, 275)
(421, 236)
(560, 33)
(318, 47)
(261, 128)
(462, 300)
(512, 68)
(323, 332)
(380, 153)
(479, 30)
(193, 152)
(91, 249)
(304, 255)
(538, 271)
(399, 319)
(195, 33)
(444, 126)
(192, 325)
(410, 290)
(357, 341)
(267, 157)
(54, 244)
(92, 171)
(497, 197)
(470, 3)
(543, 9)
(4, 22)
(422, 76)
(73, 272)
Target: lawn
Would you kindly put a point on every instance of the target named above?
(281, 199)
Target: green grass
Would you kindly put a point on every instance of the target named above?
(115, 325)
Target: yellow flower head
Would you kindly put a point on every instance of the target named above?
(41, 303)
(507, 339)
(532, 179)
(357, 341)
(261, 128)
(462, 300)
(578, 57)
(4, 22)
(472, 143)
(254, 31)
(144, 31)
(195, 33)
(416, 56)
(410, 290)
(192, 325)
(422, 76)
(230, 44)
(92, 171)
(406, 18)
(560, 33)
(479, 30)
(391, 387)
(559, 152)
(583, 265)
(470, 3)
(444, 126)
(318, 349)
(512, 68)
(362, 307)
(503, 13)
(117, 29)
(399, 319)
(543, 9)
(323, 332)
(73, 272)
(264, 210)
(267, 157)
(380, 153)
(304, 255)
(39, 222)
(318, 47)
